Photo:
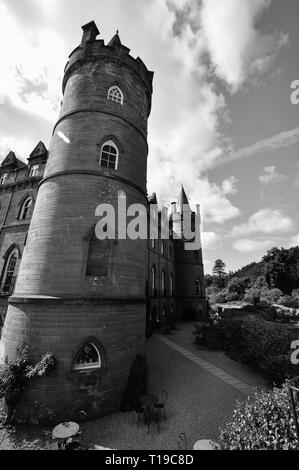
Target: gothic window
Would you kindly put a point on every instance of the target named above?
(88, 358)
(197, 287)
(9, 277)
(25, 208)
(115, 94)
(34, 170)
(109, 155)
(3, 178)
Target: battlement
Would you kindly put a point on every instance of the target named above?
(93, 50)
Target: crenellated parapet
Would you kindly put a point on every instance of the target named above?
(92, 50)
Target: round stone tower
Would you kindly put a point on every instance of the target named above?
(78, 297)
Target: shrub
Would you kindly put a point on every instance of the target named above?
(252, 295)
(15, 376)
(270, 295)
(264, 422)
(262, 344)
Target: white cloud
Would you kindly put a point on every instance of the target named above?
(249, 246)
(284, 139)
(31, 68)
(210, 240)
(229, 186)
(271, 176)
(294, 241)
(264, 221)
(238, 50)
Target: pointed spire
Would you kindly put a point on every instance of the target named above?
(115, 41)
(183, 200)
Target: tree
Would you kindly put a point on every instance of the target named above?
(219, 273)
(219, 268)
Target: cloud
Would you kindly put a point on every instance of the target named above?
(210, 240)
(228, 186)
(264, 221)
(271, 176)
(294, 241)
(31, 68)
(249, 246)
(284, 139)
(237, 49)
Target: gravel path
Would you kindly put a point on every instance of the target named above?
(199, 401)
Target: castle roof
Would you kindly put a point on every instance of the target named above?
(12, 162)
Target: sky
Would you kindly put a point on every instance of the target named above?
(222, 123)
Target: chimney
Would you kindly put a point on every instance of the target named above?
(90, 32)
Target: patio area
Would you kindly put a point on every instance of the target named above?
(202, 386)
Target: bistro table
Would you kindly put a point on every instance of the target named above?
(205, 444)
(65, 431)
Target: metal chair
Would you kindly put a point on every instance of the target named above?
(161, 404)
(293, 387)
(182, 441)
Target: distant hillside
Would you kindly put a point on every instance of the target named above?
(252, 271)
(279, 267)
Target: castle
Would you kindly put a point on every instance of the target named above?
(90, 302)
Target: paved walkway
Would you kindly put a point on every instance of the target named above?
(203, 387)
(219, 373)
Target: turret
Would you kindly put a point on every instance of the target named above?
(78, 297)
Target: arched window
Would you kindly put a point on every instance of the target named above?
(197, 287)
(153, 279)
(3, 178)
(24, 211)
(163, 282)
(9, 275)
(115, 94)
(88, 358)
(109, 155)
(171, 284)
(34, 170)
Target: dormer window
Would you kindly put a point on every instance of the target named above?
(115, 94)
(3, 178)
(34, 170)
(109, 155)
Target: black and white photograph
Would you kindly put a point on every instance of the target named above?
(149, 228)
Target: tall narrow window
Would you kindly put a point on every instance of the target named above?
(24, 212)
(171, 284)
(197, 287)
(115, 94)
(109, 155)
(162, 247)
(3, 178)
(88, 358)
(9, 277)
(153, 280)
(34, 170)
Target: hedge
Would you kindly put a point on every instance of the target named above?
(264, 422)
(261, 344)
